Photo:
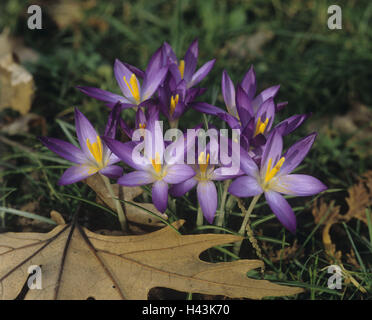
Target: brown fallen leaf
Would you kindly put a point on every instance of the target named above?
(16, 83)
(78, 264)
(359, 199)
(133, 212)
(23, 125)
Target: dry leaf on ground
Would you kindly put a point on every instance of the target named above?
(78, 264)
(16, 83)
(133, 212)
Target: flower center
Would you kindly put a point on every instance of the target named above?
(181, 67)
(173, 103)
(133, 87)
(95, 149)
(203, 162)
(260, 126)
(156, 163)
(142, 125)
(271, 172)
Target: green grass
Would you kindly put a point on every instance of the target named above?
(320, 71)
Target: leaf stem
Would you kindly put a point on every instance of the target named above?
(119, 209)
(221, 215)
(200, 217)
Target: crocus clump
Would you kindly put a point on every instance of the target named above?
(167, 89)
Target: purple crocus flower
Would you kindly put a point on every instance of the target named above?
(134, 94)
(185, 69)
(274, 178)
(152, 169)
(94, 156)
(206, 174)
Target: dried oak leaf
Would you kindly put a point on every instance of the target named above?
(77, 264)
(132, 212)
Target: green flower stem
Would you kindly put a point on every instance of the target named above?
(119, 209)
(221, 214)
(200, 217)
(243, 228)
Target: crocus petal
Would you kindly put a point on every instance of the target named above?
(112, 122)
(136, 178)
(178, 173)
(218, 175)
(201, 73)
(121, 71)
(298, 185)
(292, 123)
(160, 195)
(152, 81)
(191, 59)
(244, 187)
(264, 95)
(178, 190)
(282, 210)
(296, 153)
(84, 131)
(244, 106)
(280, 106)
(206, 108)
(272, 150)
(249, 83)
(102, 95)
(64, 149)
(267, 111)
(113, 172)
(207, 197)
(75, 174)
(247, 164)
(228, 93)
(124, 152)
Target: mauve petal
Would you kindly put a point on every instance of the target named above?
(112, 172)
(201, 73)
(84, 131)
(249, 83)
(64, 149)
(244, 106)
(121, 71)
(292, 123)
(138, 72)
(267, 111)
(244, 187)
(191, 60)
(160, 195)
(207, 197)
(168, 52)
(136, 178)
(124, 152)
(75, 174)
(128, 131)
(282, 210)
(298, 185)
(264, 95)
(151, 82)
(229, 119)
(272, 149)
(178, 190)
(175, 72)
(296, 153)
(219, 176)
(228, 93)
(102, 95)
(155, 62)
(206, 108)
(280, 106)
(247, 164)
(178, 173)
(112, 122)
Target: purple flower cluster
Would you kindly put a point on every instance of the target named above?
(169, 86)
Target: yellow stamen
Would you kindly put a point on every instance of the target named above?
(271, 172)
(260, 126)
(142, 125)
(173, 103)
(133, 87)
(181, 67)
(203, 162)
(96, 150)
(156, 163)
